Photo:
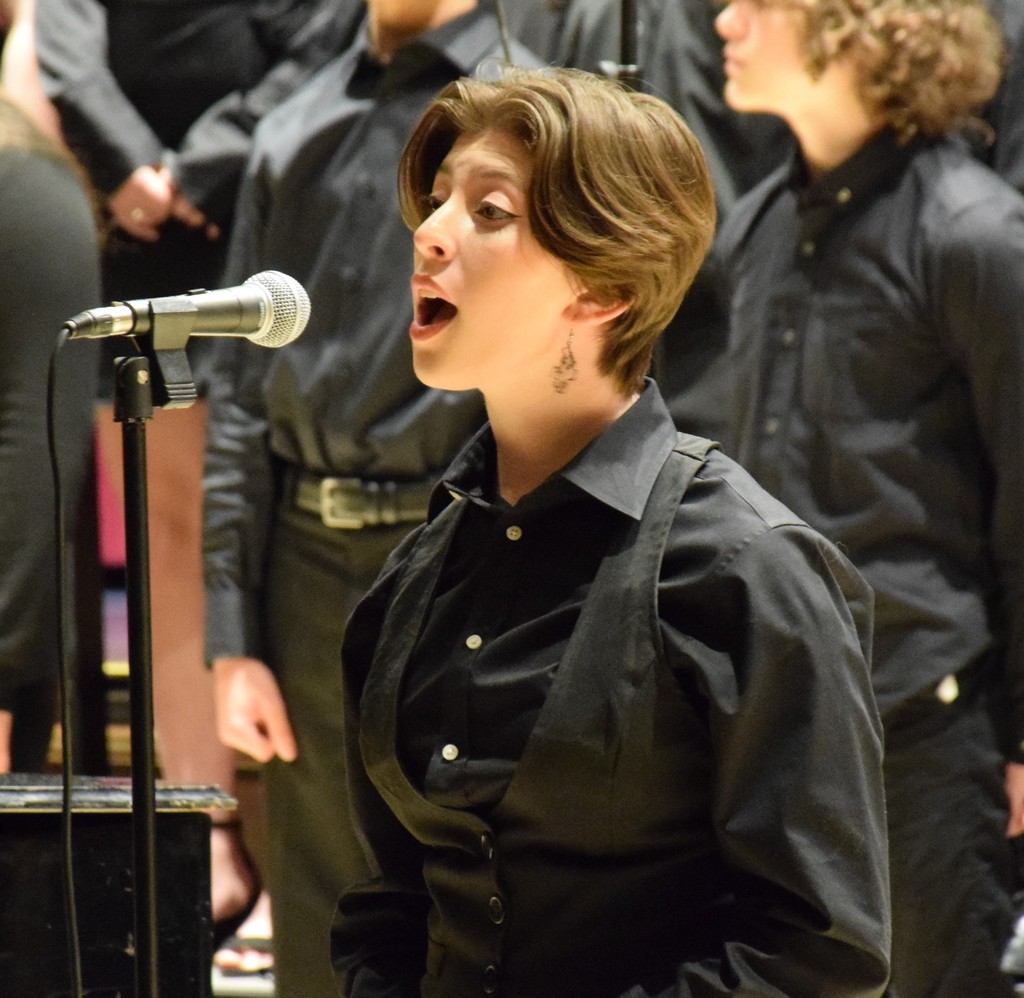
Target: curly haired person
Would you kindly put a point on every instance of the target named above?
(877, 345)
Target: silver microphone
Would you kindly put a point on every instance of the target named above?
(269, 309)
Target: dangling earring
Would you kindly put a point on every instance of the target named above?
(565, 371)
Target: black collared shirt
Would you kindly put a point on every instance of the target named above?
(877, 341)
(618, 737)
(319, 202)
(513, 584)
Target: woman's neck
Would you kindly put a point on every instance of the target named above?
(535, 440)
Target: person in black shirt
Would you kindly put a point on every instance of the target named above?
(680, 61)
(321, 455)
(875, 288)
(609, 723)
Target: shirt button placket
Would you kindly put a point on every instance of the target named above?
(496, 909)
(487, 846)
(491, 976)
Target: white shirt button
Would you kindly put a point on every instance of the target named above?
(450, 752)
(948, 690)
(789, 337)
(474, 641)
(514, 533)
(771, 426)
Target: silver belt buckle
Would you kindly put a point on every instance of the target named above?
(345, 505)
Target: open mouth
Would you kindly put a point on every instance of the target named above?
(431, 310)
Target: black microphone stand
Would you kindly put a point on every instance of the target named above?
(628, 70)
(159, 375)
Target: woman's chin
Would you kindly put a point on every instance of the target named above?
(435, 375)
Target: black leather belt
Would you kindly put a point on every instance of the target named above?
(354, 503)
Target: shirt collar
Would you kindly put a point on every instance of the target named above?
(617, 468)
(824, 199)
(463, 41)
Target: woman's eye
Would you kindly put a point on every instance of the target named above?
(492, 213)
(431, 202)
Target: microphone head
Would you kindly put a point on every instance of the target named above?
(288, 312)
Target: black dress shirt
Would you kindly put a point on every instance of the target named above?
(140, 82)
(319, 202)
(1003, 150)
(877, 339)
(617, 739)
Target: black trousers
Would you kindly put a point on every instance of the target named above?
(951, 864)
(317, 575)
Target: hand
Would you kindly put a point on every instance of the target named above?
(251, 714)
(188, 214)
(1014, 783)
(143, 202)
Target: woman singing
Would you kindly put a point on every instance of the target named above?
(610, 726)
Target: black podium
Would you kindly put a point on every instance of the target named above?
(33, 936)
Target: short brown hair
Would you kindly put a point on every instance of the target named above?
(925, 66)
(620, 191)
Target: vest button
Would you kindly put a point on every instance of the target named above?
(490, 979)
(496, 910)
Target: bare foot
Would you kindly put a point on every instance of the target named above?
(232, 877)
(249, 951)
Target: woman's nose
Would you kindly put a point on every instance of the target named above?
(727, 23)
(433, 238)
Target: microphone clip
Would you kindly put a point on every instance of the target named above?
(169, 326)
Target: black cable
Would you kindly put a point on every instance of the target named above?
(67, 685)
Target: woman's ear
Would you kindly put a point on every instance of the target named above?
(586, 310)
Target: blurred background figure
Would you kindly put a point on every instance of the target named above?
(1004, 151)
(679, 58)
(874, 286)
(159, 101)
(49, 270)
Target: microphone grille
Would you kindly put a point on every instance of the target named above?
(289, 308)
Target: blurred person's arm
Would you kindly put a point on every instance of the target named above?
(114, 143)
(975, 269)
(302, 36)
(101, 125)
(238, 511)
